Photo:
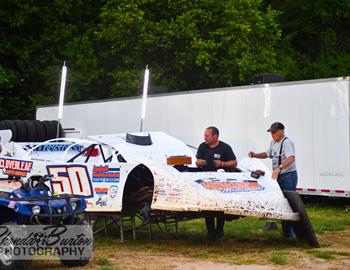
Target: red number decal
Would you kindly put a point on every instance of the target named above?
(71, 179)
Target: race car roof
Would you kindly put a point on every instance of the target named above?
(161, 146)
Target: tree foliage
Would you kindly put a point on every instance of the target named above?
(187, 44)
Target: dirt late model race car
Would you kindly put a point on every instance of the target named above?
(120, 171)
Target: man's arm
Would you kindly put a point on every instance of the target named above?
(257, 155)
(284, 165)
(200, 162)
(231, 159)
(229, 164)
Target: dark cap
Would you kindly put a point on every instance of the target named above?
(276, 126)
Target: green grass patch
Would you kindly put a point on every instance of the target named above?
(103, 262)
(279, 258)
(322, 254)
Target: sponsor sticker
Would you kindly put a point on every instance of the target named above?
(104, 174)
(101, 191)
(229, 187)
(113, 191)
(15, 167)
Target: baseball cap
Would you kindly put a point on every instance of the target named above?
(276, 126)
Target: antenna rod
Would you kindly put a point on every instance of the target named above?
(144, 97)
(62, 91)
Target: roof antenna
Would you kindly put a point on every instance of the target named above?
(62, 90)
(144, 97)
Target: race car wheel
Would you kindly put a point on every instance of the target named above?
(31, 131)
(21, 131)
(51, 130)
(79, 261)
(302, 228)
(7, 260)
(40, 131)
(11, 125)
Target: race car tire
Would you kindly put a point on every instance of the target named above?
(31, 131)
(81, 261)
(9, 124)
(40, 131)
(59, 126)
(51, 130)
(302, 228)
(8, 263)
(21, 131)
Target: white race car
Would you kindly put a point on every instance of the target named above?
(120, 171)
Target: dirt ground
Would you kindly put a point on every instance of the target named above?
(231, 255)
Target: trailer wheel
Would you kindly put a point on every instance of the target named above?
(21, 131)
(302, 228)
(40, 131)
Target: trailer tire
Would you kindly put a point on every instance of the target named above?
(302, 228)
(31, 131)
(9, 124)
(21, 131)
(40, 131)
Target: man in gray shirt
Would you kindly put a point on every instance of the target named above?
(282, 153)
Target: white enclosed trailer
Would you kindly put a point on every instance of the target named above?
(315, 113)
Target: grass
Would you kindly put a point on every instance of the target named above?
(246, 243)
(279, 258)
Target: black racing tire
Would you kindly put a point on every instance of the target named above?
(40, 131)
(31, 131)
(50, 130)
(11, 125)
(80, 261)
(21, 131)
(59, 126)
(302, 228)
(2, 125)
(6, 262)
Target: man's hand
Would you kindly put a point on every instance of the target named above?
(275, 173)
(218, 163)
(200, 163)
(251, 154)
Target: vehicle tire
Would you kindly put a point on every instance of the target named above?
(21, 131)
(50, 130)
(59, 126)
(31, 131)
(7, 262)
(11, 125)
(80, 261)
(40, 131)
(302, 228)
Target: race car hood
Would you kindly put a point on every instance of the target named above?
(162, 146)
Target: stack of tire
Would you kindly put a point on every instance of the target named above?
(32, 130)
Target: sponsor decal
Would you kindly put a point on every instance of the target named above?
(229, 187)
(15, 167)
(101, 191)
(12, 204)
(71, 179)
(104, 174)
(53, 147)
(102, 201)
(113, 190)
